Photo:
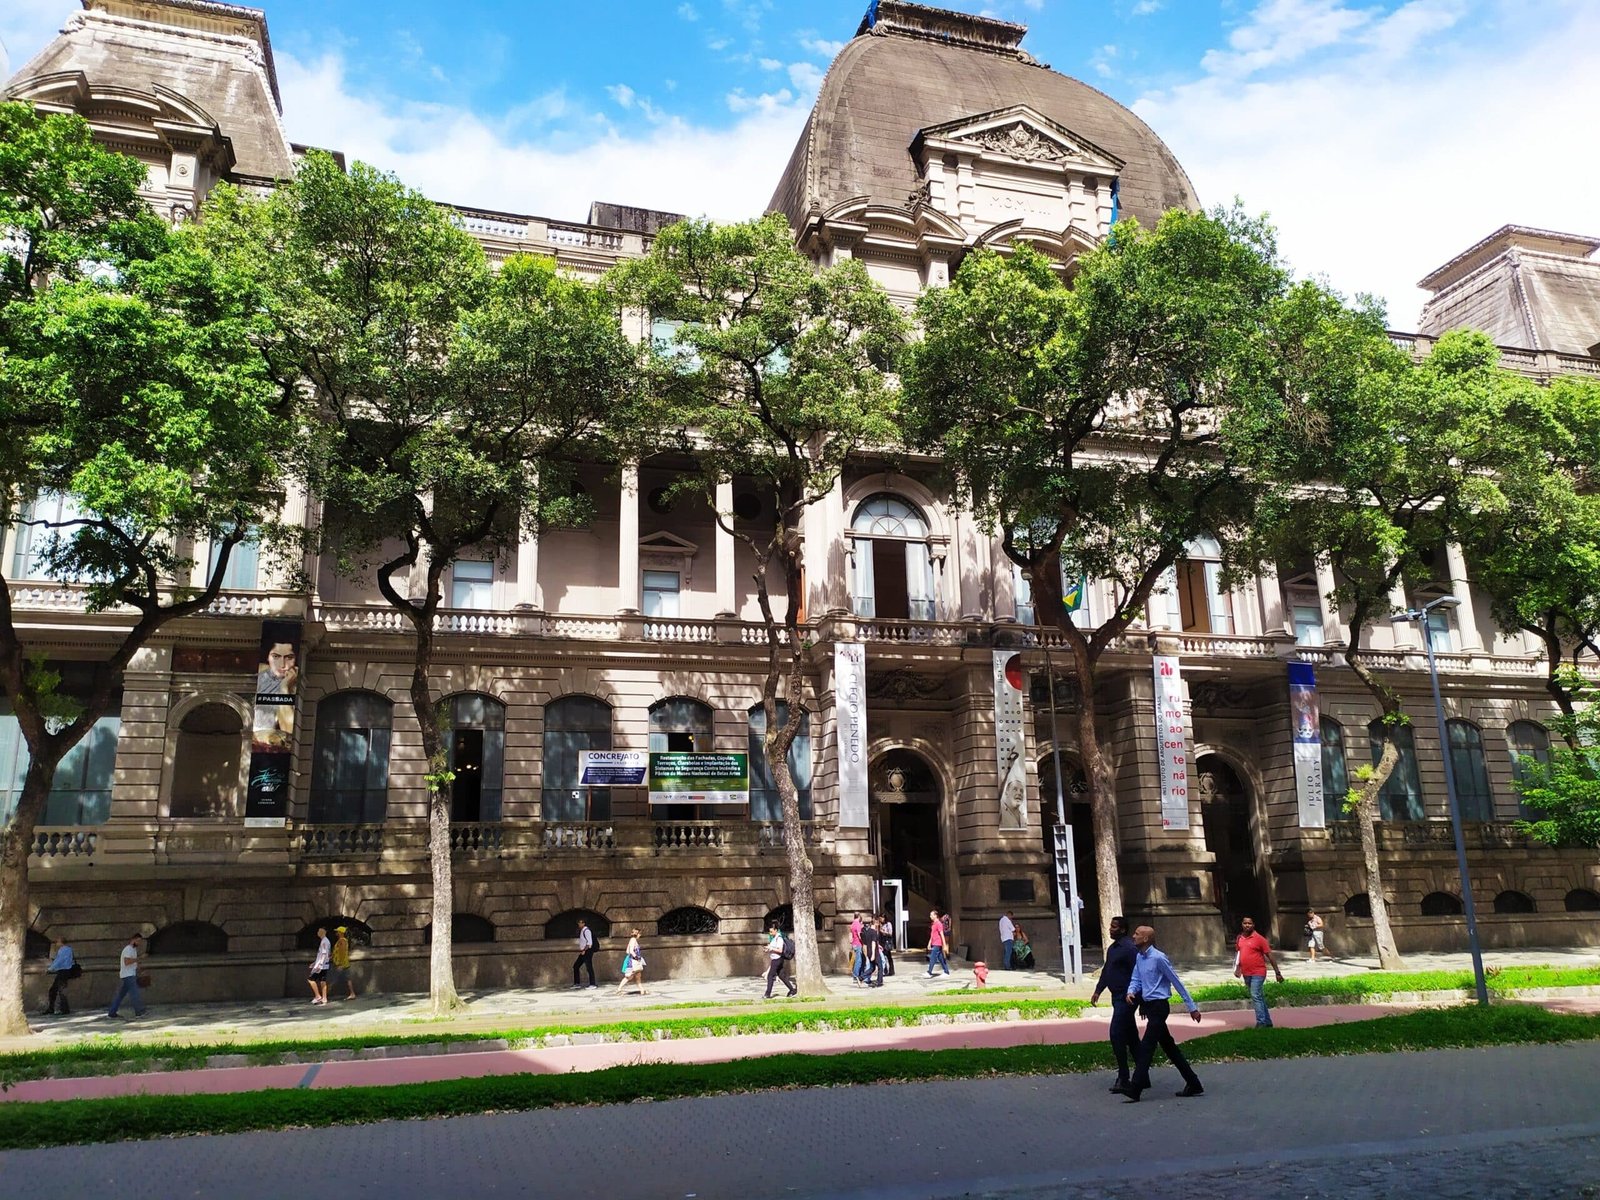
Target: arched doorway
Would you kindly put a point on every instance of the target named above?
(905, 818)
(205, 762)
(1080, 816)
(1239, 881)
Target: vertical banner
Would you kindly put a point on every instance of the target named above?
(850, 706)
(1172, 739)
(1305, 731)
(1009, 742)
(266, 802)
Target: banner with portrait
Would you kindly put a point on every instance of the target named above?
(266, 802)
(1305, 734)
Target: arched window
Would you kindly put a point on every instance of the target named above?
(688, 921)
(465, 929)
(1530, 749)
(359, 932)
(350, 771)
(1514, 902)
(1335, 775)
(1401, 798)
(783, 918)
(682, 724)
(893, 569)
(476, 742)
(1582, 900)
(1441, 904)
(1204, 605)
(1473, 795)
(563, 927)
(764, 802)
(573, 724)
(1359, 905)
(188, 937)
(205, 772)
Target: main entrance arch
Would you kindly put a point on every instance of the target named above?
(905, 812)
(1240, 874)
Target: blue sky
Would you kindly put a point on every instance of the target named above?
(1382, 137)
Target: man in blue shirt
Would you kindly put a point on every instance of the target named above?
(62, 970)
(1115, 977)
(1151, 989)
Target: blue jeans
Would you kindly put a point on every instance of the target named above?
(936, 958)
(128, 988)
(858, 962)
(1005, 953)
(1258, 997)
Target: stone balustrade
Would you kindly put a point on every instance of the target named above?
(1434, 833)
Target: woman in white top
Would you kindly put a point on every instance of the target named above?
(632, 965)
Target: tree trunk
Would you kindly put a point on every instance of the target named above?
(802, 896)
(442, 997)
(1366, 821)
(15, 841)
(1101, 781)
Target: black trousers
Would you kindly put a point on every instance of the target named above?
(1157, 1034)
(1124, 1035)
(775, 974)
(585, 959)
(58, 989)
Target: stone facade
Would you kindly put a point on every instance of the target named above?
(933, 134)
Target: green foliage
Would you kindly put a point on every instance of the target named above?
(1381, 985)
(1565, 792)
(77, 1122)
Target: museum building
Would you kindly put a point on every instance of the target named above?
(934, 133)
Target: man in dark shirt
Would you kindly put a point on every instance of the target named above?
(1114, 978)
(873, 970)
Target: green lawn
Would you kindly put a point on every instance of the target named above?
(136, 1117)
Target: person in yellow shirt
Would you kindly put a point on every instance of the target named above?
(341, 962)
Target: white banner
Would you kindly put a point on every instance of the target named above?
(850, 706)
(1172, 742)
(1010, 743)
(1305, 720)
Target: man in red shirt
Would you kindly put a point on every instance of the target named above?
(1255, 954)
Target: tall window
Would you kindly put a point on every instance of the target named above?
(81, 792)
(1305, 612)
(1530, 744)
(660, 596)
(573, 724)
(472, 583)
(1204, 605)
(1401, 798)
(350, 772)
(34, 542)
(243, 572)
(682, 724)
(1335, 776)
(893, 570)
(765, 804)
(1023, 587)
(476, 743)
(1473, 795)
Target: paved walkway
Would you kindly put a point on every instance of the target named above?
(1502, 1122)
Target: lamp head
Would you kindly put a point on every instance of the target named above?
(1441, 602)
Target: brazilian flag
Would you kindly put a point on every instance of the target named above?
(1072, 598)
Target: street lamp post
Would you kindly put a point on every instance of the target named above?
(1420, 617)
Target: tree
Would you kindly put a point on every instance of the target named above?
(1565, 792)
(779, 372)
(1102, 427)
(1394, 467)
(451, 408)
(130, 389)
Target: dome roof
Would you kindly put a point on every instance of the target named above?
(917, 67)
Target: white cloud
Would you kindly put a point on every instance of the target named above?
(1377, 168)
(455, 155)
(1280, 32)
(771, 64)
(1143, 8)
(767, 102)
(688, 12)
(1104, 61)
(621, 93)
(806, 77)
(821, 47)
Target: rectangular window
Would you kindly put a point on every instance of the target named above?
(1442, 630)
(34, 542)
(660, 596)
(1306, 613)
(1024, 590)
(1204, 605)
(472, 583)
(81, 792)
(242, 574)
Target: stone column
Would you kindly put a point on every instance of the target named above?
(525, 593)
(628, 542)
(1273, 618)
(826, 556)
(727, 604)
(1406, 634)
(1461, 589)
(973, 561)
(1333, 628)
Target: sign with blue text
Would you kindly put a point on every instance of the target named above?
(690, 777)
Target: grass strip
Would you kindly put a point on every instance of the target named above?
(77, 1122)
(1380, 985)
(101, 1056)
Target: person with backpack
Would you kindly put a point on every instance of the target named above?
(64, 968)
(780, 950)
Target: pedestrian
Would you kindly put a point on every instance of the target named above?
(1313, 933)
(1151, 988)
(886, 943)
(64, 969)
(1115, 976)
(871, 954)
(1008, 939)
(341, 963)
(936, 943)
(585, 957)
(128, 978)
(779, 950)
(632, 965)
(1022, 951)
(318, 976)
(858, 960)
(1250, 964)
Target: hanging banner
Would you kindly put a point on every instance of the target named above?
(612, 768)
(1009, 742)
(266, 803)
(692, 777)
(850, 704)
(1305, 720)
(1172, 741)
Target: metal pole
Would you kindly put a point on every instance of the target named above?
(1066, 883)
(1455, 814)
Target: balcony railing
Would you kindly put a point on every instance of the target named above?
(1431, 834)
(690, 836)
(770, 835)
(562, 836)
(341, 841)
(64, 841)
(469, 838)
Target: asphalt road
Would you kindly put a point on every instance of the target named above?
(1500, 1122)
